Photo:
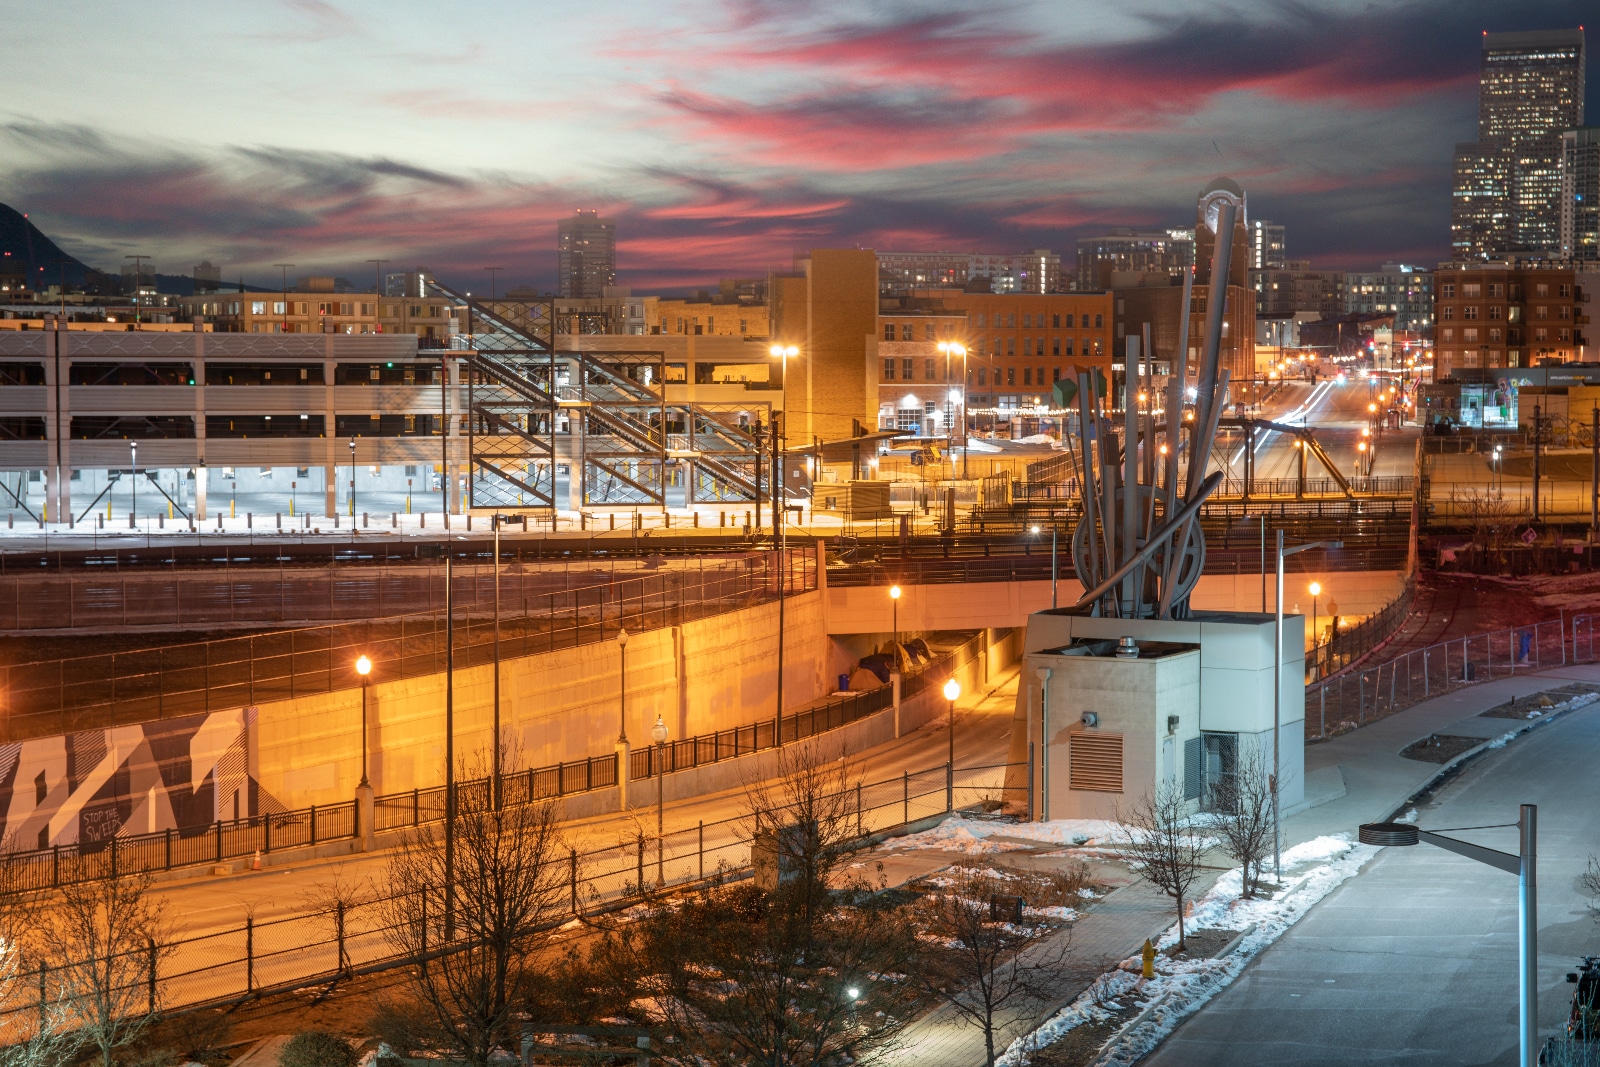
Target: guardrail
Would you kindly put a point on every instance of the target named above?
(1368, 693)
(321, 943)
(119, 688)
(600, 772)
(1339, 652)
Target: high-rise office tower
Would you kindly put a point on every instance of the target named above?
(1266, 245)
(587, 249)
(1580, 194)
(1506, 191)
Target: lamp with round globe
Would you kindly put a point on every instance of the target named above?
(952, 692)
(364, 669)
(658, 734)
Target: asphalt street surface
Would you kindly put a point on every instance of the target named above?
(1414, 961)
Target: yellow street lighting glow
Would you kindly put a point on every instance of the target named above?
(363, 666)
(1316, 588)
(952, 689)
(894, 592)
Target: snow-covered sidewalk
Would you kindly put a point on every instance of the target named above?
(1311, 871)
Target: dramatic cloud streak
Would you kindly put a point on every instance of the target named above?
(728, 134)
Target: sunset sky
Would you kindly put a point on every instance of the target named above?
(726, 135)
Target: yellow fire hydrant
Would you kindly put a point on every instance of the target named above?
(1149, 955)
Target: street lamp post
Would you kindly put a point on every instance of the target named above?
(1315, 589)
(894, 602)
(352, 482)
(1525, 866)
(364, 668)
(658, 734)
(894, 663)
(956, 348)
(622, 718)
(1277, 696)
(952, 691)
(1055, 567)
(133, 479)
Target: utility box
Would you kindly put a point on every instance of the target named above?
(776, 855)
(853, 500)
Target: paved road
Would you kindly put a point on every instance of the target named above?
(203, 904)
(1415, 960)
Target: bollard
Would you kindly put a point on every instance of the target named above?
(280, 520)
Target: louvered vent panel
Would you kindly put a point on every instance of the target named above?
(1096, 762)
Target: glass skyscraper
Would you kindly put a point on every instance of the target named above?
(1506, 195)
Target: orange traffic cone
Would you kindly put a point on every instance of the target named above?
(255, 861)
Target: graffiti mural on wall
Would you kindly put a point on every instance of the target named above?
(178, 774)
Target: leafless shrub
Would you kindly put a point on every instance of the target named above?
(1244, 822)
(476, 931)
(104, 940)
(1162, 846)
(985, 967)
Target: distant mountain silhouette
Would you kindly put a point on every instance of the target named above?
(27, 251)
(24, 249)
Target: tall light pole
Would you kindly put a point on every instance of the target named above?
(283, 324)
(952, 692)
(623, 752)
(138, 262)
(1525, 865)
(449, 744)
(894, 602)
(377, 279)
(1277, 695)
(1315, 589)
(352, 482)
(658, 734)
(133, 479)
(493, 274)
(1055, 567)
(956, 348)
(364, 668)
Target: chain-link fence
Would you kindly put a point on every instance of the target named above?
(324, 940)
(121, 688)
(1366, 694)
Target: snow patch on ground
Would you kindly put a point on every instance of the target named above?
(974, 837)
(1311, 871)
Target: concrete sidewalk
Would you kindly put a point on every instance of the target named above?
(1376, 779)
(1098, 940)
(1358, 777)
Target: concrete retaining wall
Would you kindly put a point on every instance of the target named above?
(707, 675)
(967, 606)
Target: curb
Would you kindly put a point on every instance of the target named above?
(1455, 766)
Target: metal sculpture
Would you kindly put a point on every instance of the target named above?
(1139, 548)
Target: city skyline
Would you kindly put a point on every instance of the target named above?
(726, 138)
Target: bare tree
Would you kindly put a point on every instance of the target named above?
(1244, 803)
(988, 966)
(106, 936)
(808, 814)
(1162, 846)
(736, 975)
(33, 1030)
(800, 971)
(466, 993)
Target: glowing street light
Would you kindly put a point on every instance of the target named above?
(364, 669)
(952, 692)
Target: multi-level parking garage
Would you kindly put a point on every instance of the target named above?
(191, 425)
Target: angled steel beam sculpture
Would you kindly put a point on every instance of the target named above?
(1138, 548)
